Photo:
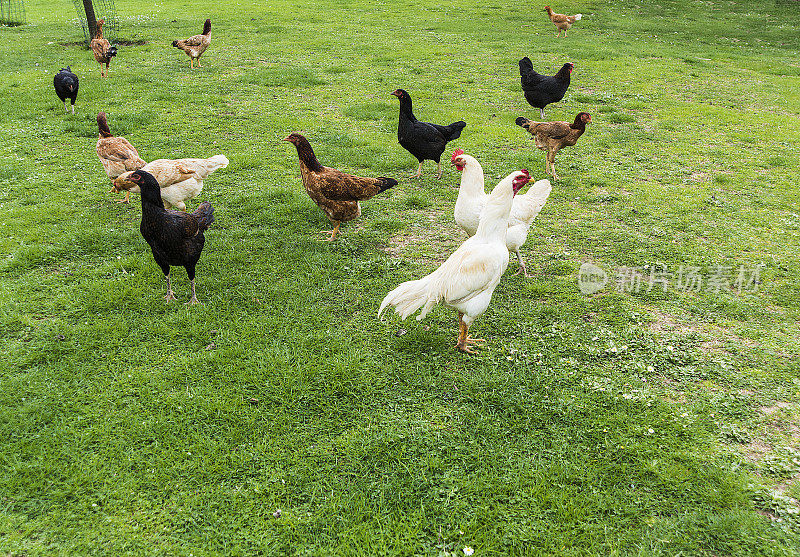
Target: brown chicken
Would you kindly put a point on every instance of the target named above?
(554, 136)
(561, 21)
(102, 49)
(116, 154)
(336, 192)
(195, 46)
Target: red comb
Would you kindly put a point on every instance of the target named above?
(456, 153)
(525, 171)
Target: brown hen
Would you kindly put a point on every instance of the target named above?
(336, 192)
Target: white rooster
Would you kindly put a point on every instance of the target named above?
(468, 278)
(472, 199)
(180, 179)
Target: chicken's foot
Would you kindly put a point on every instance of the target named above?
(170, 294)
(419, 171)
(332, 233)
(193, 300)
(522, 267)
(438, 170)
(463, 336)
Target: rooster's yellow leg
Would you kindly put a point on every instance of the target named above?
(438, 170)
(463, 336)
(127, 197)
(332, 233)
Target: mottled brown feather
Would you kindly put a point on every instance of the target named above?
(335, 192)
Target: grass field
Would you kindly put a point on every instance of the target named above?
(622, 423)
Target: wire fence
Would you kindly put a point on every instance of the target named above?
(103, 9)
(12, 12)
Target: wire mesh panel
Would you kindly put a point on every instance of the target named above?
(12, 12)
(103, 9)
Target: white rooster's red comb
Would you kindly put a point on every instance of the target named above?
(456, 153)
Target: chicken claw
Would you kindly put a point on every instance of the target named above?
(331, 233)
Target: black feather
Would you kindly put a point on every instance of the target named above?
(175, 238)
(541, 90)
(66, 85)
(424, 140)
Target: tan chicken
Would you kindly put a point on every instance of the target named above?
(102, 49)
(335, 192)
(116, 154)
(179, 179)
(195, 46)
(561, 21)
(554, 136)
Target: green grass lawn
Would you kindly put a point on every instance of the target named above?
(621, 423)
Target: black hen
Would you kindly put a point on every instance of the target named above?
(423, 140)
(66, 84)
(175, 237)
(541, 90)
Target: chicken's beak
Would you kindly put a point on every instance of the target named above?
(286, 138)
(396, 94)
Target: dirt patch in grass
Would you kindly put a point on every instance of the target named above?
(756, 450)
(426, 240)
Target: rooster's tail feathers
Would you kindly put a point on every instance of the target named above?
(111, 52)
(409, 297)
(204, 215)
(578, 17)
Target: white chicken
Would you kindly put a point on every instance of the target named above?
(180, 179)
(466, 281)
(472, 199)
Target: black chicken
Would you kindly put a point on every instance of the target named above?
(423, 140)
(66, 84)
(175, 237)
(541, 90)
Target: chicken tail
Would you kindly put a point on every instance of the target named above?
(454, 130)
(176, 44)
(202, 168)
(578, 17)
(111, 52)
(385, 183)
(221, 161)
(409, 297)
(204, 215)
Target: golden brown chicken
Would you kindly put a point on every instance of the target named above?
(102, 49)
(554, 136)
(116, 154)
(561, 21)
(195, 46)
(336, 192)
(179, 179)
